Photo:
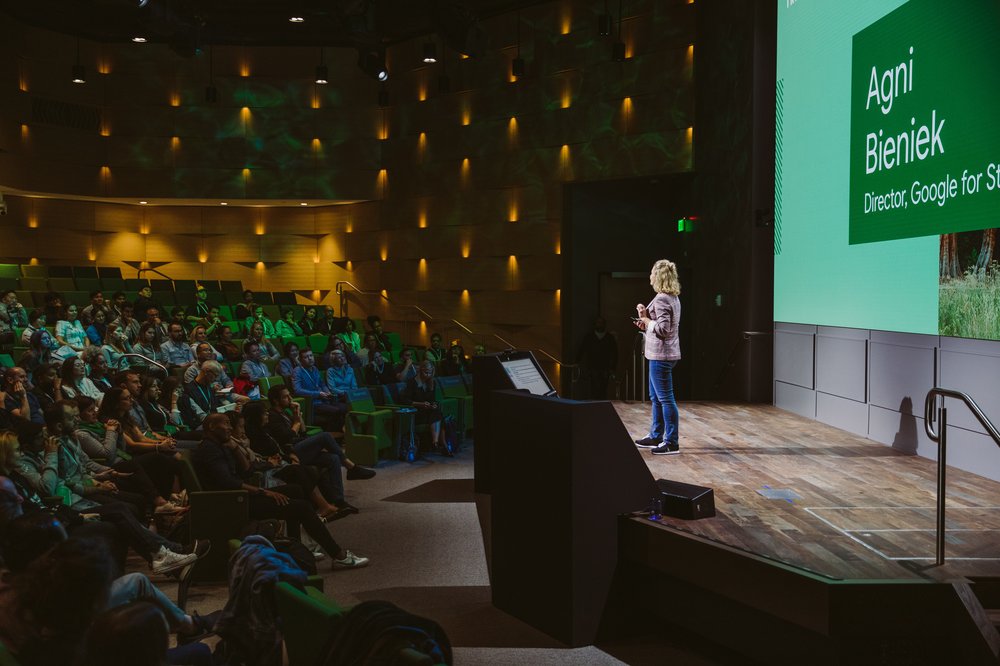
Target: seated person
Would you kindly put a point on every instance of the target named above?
(244, 309)
(199, 334)
(215, 464)
(406, 369)
(309, 323)
(18, 400)
(141, 438)
(420, 393)
(267, 348)
(327, 324)
(118, 302)
(307, 381)
(335, 343)
(39, 351)
(340, 377)
(149, 343)
(253, 369)
(179, 316)
(177, 350)
(54, 303)
(144, 304)
(435, 353)
(257, 451)
(202, 308)
(375, 328)
(114, 349)
(70, 334)
(455, 363)
(351, 338)
(127, 324)
(199, 398)
(377, 371)
(286, 326)
(75, 382)
(97, 369)
(229, 349)
(36, 322)
(97, 304)
(12, 315)
(212, 323)
(288, 362)
(151, 401)
(98, 328)
(47, 384)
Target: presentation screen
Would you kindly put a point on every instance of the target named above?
(887, 165)
(525, 373)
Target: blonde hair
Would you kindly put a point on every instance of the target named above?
(8, 451)
(663, 278)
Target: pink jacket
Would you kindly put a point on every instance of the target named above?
(662, 343)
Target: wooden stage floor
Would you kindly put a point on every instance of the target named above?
(860, 509)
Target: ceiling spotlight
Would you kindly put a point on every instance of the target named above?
(372, 63)
(430, 52)
(139, 39)
(296, 19)
(79, 74)
(322, 75)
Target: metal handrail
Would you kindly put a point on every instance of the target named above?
(139, 273)
(149, 361)
(941, 437)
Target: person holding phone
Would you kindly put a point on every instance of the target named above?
(660, 321)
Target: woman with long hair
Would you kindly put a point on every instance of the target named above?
(39, 351)
(149, 343)
(75, 381)
(115, 346)
(351, 338)
(289, 362)
(70, 334)
(151, 401)
(660, 321)
(98, 327)
(258, 451)
(420, 394)
(267, 348)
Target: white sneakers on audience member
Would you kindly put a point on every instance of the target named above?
(350, 561)
(166, 561)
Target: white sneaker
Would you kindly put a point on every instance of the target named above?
(350, 561)
(166, 561)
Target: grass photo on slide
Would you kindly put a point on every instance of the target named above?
(969, 286)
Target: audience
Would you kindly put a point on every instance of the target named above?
(115, 348)
(435, 353)
(97, 366)
(200, 397)
(144, 304)
(229, 349)
(149, 343)
(340, 377)
(97, 304)
(455, 363)
(199, 335)
(406, 369)
(245, 309)
(118, 303)
(375, 328)
(351, 338)
(53, 305)
(18, 400)
(176, 349)
(127, 324)
(39, 351)
(288, 362)
(97, 328)
(216, 466)
(256, 333)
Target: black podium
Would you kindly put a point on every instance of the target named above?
(559, 472)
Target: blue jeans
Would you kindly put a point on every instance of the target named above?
(661, 393)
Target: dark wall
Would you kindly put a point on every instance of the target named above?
(726, 262)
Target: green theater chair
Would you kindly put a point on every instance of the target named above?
(367, 429)
(455, 388)
(306, 616)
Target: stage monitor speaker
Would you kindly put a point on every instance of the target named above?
(685, 500)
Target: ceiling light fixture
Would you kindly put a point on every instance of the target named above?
(322, 74)
(139, 39)
(296, 19)
(604, 22)
(79, 71)
(223, 203)
(372, 63)
(430, 52)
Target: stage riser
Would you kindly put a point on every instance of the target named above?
(773, 614)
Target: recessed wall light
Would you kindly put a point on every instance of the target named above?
(223, 203)
(303, 204)
(143, 202)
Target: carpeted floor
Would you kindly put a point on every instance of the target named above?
(418, 524)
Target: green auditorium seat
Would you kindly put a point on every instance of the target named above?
(6, 361)
(10, 271)
(29, 271)
(367, 429)
(395, 344)
(109, 272)
(62, 284)
(135, 284)
(455, 387)
(306, 616)
(35, 284)
(90, 284)
(112, 284)
(299, 340)
(263, 298)
(217, 515)
(86, 272)
(267, 383)
(225, 312)
(231, 285)
(317, 343)
(236, 327)
(393, 396)
(10, 283)
(273, 312)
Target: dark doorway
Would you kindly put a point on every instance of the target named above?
(613, 231)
